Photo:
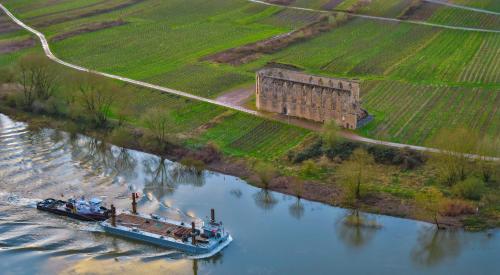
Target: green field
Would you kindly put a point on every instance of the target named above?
(416, 79)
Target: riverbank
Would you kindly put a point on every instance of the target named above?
(325, 188)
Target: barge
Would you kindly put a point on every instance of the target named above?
(81, 209)
(204, 241)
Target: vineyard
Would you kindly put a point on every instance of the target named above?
(243, 135)
(492, 5)
(413, 112)
(459, 17)
(416, 79)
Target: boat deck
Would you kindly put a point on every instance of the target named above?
(152, 226)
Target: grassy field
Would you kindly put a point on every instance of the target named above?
(416, 79)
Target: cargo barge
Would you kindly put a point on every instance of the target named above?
(81, 209)
(204, 241)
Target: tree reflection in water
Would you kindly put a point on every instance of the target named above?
(236, 192)
(434, 246)
(158, 181)
(125, 163)
(296, 209)
(96, 153)
(187, 175)
(163, 176)
(265, 199)
(357, 229)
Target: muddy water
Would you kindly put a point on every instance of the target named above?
(273, 233)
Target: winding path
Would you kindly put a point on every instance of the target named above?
(380, 18)
(346, 134)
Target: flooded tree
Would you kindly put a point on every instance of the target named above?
(125, 163)
(434, 246)
(159, 181)
(265, 199)
(357, 229)
(355, 172)
(266, 173)
(189, 175)
(296, 209)
(429, 201)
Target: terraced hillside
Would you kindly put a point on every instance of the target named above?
(417, 79)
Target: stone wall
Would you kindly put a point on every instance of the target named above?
(311, 97)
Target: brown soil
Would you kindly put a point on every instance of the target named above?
(72, 16)
(332, 4)
(250, 52)
(419, 10)
(92, 27)
(13, 46)
(67, 10)
(6, 25)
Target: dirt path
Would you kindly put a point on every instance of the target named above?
(346, 134)
(238, 96)
(380, 18)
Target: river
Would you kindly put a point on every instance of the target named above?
(273, 233)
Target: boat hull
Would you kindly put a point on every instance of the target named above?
(82, 217)
(153, 239)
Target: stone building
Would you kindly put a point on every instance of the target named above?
(311, 97)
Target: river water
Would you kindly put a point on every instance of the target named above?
(273, 233)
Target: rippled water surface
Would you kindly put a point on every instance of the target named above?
(273, 233)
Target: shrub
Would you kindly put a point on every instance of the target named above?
(453, 208)
(196, 164)
(471, 188)
(122, 136)
(312, 151)
(309, 168)
(342, 150)
(266, 173)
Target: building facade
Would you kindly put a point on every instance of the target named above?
(311, 97)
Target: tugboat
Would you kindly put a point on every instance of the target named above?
(203, 242)
(81, 209)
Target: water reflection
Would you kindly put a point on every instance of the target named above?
(125, 163)
(296, 209)
(434, 246)
(265, 199)
(357, 229)
(163, 176)
(286, 240)
(236, 193)
(158, 179)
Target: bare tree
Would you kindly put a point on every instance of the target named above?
(96, 97)
(356, 171)
(160, 124)
(266, 173)
(452, 161)
(488, 146)
(38, 78)
(429, 201)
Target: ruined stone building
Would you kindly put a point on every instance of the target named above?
(311, 97)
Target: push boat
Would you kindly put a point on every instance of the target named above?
(207, 240)
(84, 210)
